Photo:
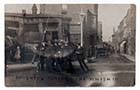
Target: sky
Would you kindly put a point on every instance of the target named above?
(110, 15)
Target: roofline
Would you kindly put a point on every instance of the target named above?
(34, 16)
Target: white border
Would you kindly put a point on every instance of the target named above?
(137, 2)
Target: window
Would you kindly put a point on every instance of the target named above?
(55, 35)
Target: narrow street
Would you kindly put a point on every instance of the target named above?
(115, 70)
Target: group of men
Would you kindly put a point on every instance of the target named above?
(60, 57)
(58, 54)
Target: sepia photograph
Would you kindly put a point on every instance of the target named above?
(70, 45)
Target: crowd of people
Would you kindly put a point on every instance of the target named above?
(60, 56)
(55, 55)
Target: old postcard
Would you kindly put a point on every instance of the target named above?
(58, 45)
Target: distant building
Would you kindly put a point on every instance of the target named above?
(115, 41)
(124, 38)
(30, 27)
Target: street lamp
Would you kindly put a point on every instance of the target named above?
(82, 15)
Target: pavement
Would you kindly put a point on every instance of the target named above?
(131, 58)
(19, 67)
(114, 70)
(99, 75)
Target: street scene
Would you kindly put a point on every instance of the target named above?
(72, 45)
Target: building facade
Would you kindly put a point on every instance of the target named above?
(90, 33)
(30, 27)
(124, 38)
(72, 10)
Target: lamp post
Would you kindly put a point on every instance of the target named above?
(82, 15)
